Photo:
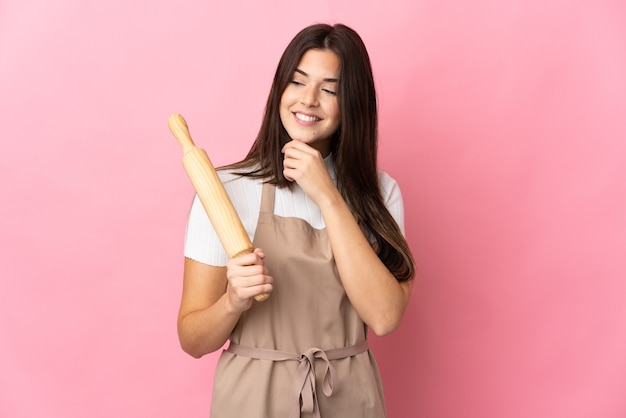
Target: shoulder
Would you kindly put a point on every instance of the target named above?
(228, 174)
(244, 191)
(233, 181)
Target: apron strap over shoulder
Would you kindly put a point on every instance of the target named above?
(267, 198)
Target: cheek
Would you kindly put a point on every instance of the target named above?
(288, 96)
(333, 111)
(283, 117)
(283, 108)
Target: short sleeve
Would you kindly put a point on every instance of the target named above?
(201, 241)
(392, 198)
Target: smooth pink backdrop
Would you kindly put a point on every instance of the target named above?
(503, 121)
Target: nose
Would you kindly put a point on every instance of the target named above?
(310, 96)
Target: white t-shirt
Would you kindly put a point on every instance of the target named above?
(202, 243)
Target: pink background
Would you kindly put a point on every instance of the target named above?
(503, 121)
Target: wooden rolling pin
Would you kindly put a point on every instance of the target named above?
(212, 194)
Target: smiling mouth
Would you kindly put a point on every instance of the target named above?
(307, 118)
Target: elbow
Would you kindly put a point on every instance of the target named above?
(194, 354)
(192, 345)
(389, 317)
(191, 349)
(385, 326)
(386, 321)
(381, 331)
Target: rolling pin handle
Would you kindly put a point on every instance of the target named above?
(178, 126)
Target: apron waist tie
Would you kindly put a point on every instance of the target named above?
(304, 393)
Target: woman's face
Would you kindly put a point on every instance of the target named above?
(308, 107)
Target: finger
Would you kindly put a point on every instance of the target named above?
(299, 155)
(250, 282)
(247, 259)
(247, 294)
(245, 275)
(245, 287)
(300, 146)
(289, 168)
(259, 252)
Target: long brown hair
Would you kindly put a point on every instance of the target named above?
(354, 146)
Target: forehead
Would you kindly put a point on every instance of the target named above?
(320, 63)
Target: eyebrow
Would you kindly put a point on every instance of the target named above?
(328, 80)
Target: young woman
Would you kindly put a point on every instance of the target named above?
(330, 251)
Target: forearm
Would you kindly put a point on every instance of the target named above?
(215, 297)
(205, 319)
(206, 330)
(377, 296)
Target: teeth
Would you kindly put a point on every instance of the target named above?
(306, 118)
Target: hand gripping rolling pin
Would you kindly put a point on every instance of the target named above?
(212, 194)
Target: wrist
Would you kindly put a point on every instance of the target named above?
(230, 308)
(331, 201)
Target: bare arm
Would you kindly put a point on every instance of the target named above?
(379, 299)
(215, 297)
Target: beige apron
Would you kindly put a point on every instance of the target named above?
(302, 352)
